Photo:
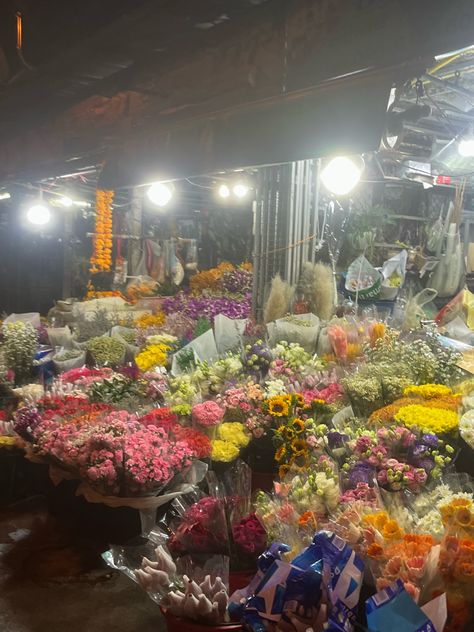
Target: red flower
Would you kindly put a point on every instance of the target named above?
(198, 442)
(161, 417)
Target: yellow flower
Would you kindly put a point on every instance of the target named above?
(280, 453)
(234, 432)
(278, 407)
(224, 451)
(283, 471)
(150, 320)
(299, 447)
(298, 425)
(151, 356)
(299, 399)
(391, 530)
(432, 420)
(7, 442)
(427, 391)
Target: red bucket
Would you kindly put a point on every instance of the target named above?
(175, 624)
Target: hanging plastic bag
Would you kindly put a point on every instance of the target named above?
(363, 280)
(393, 273)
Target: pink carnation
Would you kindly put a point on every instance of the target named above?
(207, 414)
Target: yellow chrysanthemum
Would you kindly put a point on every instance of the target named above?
(432, 420)
(224, 451)
(427, 391)
(234, 432)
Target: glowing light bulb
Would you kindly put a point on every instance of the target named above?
(160, 194)
(240, 190)
(38, 215)
(340, 175)
(223, 191)
(65, 201)
(466, 147)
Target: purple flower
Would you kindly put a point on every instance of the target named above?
(26, 420)
(361, 473)
(336, 439)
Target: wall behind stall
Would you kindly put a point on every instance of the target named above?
(31, 265)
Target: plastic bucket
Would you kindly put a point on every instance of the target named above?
(176, 624)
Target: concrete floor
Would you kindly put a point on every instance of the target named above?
(50, 581)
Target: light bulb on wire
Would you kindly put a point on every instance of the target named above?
(38, 214)
(223, 191)
(466, 147)
(240, 190)
(341, 175)
(160, 194)
(65, 201)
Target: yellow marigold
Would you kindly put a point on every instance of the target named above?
(224, 451)
(278, 407)
(234, 432)
(432, 420)
(150, 320)
(427, 391)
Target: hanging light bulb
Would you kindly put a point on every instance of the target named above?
(466, 147)
(160, 194)
(341, 175)
(38, 214)
(240, 190)
(65, 201)
(223, 191)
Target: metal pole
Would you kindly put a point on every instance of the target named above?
(256, 212)
(135, 219)
(317, 169)
(67, 254)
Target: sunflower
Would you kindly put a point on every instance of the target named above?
(281, 429)
(299, 399)
(278, 407)
(299, 447)
(298, 425)
(290, 434)
(280, 453)
(283, 471)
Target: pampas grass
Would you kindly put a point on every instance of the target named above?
(279, 300)
(323, 291)
(317, 286)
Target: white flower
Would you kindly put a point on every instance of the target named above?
(274, 388)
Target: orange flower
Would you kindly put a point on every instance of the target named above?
(375, 551)
(462, 517)
(307, 519)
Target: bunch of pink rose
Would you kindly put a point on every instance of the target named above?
(207, 414)
(118, 455)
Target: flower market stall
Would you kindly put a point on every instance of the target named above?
(305, 473)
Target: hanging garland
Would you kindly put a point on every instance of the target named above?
(101, 260)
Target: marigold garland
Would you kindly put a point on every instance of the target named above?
(101, 260)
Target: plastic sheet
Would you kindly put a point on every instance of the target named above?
(228, 333)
